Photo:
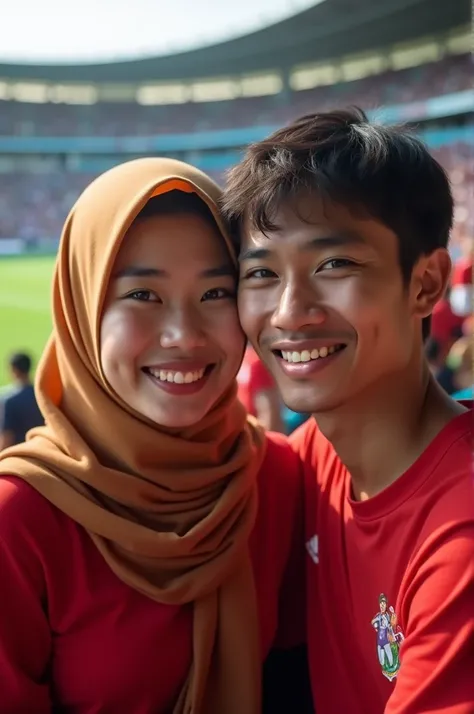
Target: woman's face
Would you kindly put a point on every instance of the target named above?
(171, 341)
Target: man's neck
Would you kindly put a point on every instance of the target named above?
(381, 433)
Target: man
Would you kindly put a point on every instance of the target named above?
(344, 228)
(19, 411)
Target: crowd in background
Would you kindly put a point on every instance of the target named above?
(34, 205)
(448, 75)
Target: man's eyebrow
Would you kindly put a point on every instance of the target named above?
(254, 254)
(332, 241)
(316, 243)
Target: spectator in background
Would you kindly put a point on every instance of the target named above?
(19, 412)
(461, 362)
(461, 298)
(446, 326)
(440, 370)
(258, 392)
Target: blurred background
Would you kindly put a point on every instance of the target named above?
(84, 90)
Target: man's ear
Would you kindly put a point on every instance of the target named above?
(430, 278)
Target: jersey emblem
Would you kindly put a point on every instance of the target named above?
(389, 638)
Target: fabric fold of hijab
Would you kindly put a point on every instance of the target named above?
(170, 511)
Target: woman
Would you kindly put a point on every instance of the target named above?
(136, 574)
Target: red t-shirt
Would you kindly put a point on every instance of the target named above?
(253, 377)
(390, 581)
(73, 636)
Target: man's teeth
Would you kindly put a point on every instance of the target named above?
(306, 355)
(165, 375)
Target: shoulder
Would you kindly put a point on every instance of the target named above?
(7, 392)
(311, 445)
(27, 518)
(303, 437)
(18, 498)
(443, 505)
(9, 396)
(441, 571)
(279, 455)
(454, 467)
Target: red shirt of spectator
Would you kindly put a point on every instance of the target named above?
(253, 378)
(461, 291)
(462, 271)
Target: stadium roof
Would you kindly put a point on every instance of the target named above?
(323, 31)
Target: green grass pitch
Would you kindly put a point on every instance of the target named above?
(25, 309)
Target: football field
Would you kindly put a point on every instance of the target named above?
(25, 313)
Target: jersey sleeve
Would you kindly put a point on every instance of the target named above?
(25, 639)
(437, 655)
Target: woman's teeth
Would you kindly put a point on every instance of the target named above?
(177, 377)
(307, 355)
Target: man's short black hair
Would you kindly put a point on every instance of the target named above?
(382, 171)
(21, 362)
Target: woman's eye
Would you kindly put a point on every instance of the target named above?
(142, 296)
(335, 263)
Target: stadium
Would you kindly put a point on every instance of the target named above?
(61, 125)
(237, 484)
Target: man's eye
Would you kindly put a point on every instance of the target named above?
(217, 294)
(260, 273)
(335, 263)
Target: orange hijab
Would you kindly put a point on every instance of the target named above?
(171, 512)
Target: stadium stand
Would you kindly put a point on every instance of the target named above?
(450, 74)
(60, 125)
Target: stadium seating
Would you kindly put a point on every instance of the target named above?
(34, 204)
(450, 74)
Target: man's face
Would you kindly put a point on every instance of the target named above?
(323, 301)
